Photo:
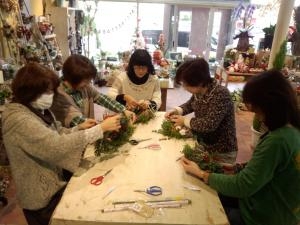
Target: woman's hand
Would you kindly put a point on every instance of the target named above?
(131, 103)
(177, 119)
(170, 113)
(111, 123)
(191, 167)
(130, 115)
(144, 104)
(88, 123)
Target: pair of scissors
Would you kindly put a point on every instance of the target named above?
(153, 190)
(99, 180)
(136, 141)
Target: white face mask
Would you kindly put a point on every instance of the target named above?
(43, 102)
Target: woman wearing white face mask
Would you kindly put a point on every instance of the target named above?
(43, 102)
(38, 147)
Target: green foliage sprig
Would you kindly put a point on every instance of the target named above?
(168, 129)
(203, 159)
(144, 116)
(113, 140)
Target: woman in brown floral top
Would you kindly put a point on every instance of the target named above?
(213, 121)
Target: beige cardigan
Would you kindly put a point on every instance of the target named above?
(38, 152)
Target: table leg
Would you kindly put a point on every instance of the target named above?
(163, 99)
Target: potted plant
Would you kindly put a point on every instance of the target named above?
(236, 97)
(4, 94)
(269, 34)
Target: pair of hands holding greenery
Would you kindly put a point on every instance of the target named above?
(110, 123)
(132, 104)
(175, 117)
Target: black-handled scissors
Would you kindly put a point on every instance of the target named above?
(153, 190)
(136, 141)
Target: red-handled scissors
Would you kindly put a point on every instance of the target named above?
(99, 180)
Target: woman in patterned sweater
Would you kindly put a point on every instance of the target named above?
(213, 121)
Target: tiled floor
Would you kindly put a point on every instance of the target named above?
(13, 215)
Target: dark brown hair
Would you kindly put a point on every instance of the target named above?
(140, 57)
(78, 68)
(31, 81)
(273, 94)
(194, 72)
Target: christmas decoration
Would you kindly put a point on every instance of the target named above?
(112, 140)
(169, 129)
(203, 159)
(144, 115)
(245, 14)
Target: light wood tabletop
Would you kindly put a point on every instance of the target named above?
(139, 168)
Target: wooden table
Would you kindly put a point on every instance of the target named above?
(82, 202)
(165, 84)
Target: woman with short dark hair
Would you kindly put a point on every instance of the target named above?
(75, 98)
(267, 190)
(38, 147)
(213, 121)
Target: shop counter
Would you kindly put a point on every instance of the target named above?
(138, 168)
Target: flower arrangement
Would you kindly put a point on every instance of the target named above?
(5, 93)
(236, 97)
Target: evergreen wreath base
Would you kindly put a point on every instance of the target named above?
(168, 129)
(144, 116)
(203, 159)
